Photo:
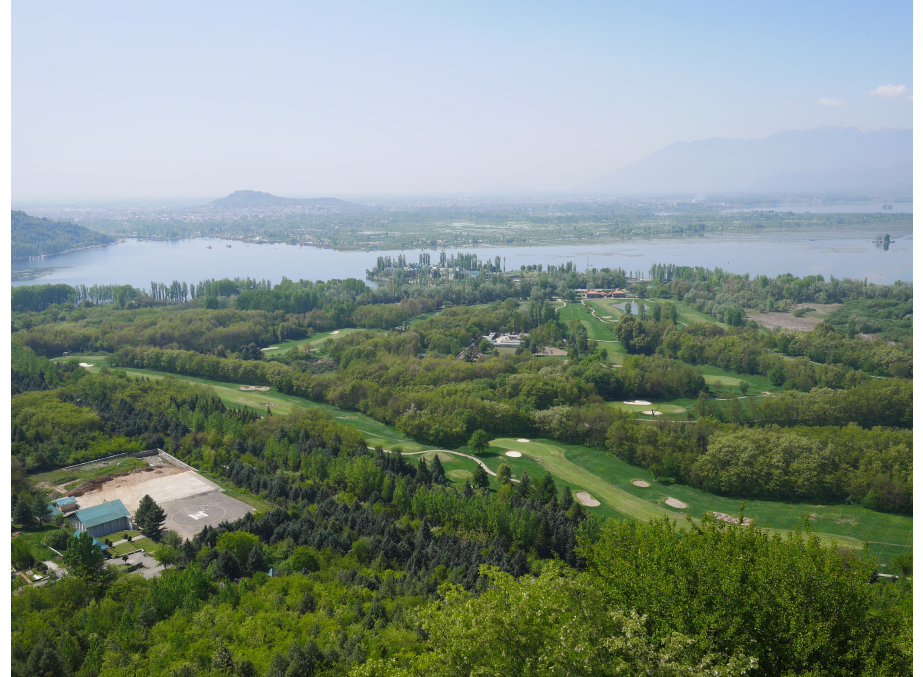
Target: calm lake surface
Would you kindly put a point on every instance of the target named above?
(851, 253)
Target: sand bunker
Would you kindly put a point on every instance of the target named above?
(84, 364)
(335, 332)
(652, 412)
(522, 440)
(268, 404)
(513, 454)
(732, 520)
(640, 483)
(673, 503)
(586, 499)
(270, 348)
(638, 402)
(262, 389)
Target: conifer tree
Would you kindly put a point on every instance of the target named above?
(481, 480)
(150, 517)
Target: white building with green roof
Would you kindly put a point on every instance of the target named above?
(103, 519)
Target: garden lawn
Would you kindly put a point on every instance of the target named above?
(142, 543)
(34, 536)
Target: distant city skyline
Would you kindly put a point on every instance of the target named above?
(187, 102)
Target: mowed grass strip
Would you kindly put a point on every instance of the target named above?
(376, 433)
(608, 479)
(314, 341)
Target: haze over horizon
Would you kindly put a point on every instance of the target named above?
(113, 102)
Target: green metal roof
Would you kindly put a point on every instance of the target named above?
(98, 543)
(102, 513)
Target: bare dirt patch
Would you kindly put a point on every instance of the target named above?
(164, 484)
(640, 483)
(789, 321)
(268, 404)
(96, 483)
(586, 499)
(673, 503)
(552, 352)
(262, 389)
(724, 517)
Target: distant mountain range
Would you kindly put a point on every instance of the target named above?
(824, 159)
(34, 236)
(242, 199)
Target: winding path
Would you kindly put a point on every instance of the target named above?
(593, 313)
(444, 451)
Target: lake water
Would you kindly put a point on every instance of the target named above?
(635, 307)
(851, 253)
(832, 208)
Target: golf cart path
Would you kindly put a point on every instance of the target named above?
(445, 451)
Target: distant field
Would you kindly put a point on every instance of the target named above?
(314, 341)
(687, 314)
(664, 408)
(375, 432)
(596, 328)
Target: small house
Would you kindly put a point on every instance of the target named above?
(103, 519)
(65, 504)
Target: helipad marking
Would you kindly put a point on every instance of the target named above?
(199, 515)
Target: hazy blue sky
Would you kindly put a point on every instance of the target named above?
(117, 100)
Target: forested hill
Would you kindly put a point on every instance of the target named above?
(242, 199)
(33, 236)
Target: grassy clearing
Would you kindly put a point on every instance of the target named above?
(34, 537)
(715, 380)
(142, 543)
(122, 535)
(596, 329)
(665, 408)
(687, 314)
(422, 318)
(314, 341)
(72, 478)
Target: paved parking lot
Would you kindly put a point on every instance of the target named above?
(187, 516)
